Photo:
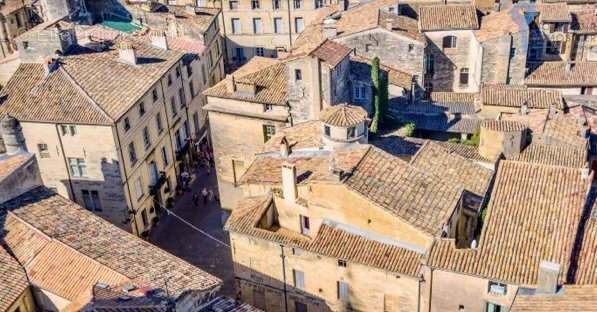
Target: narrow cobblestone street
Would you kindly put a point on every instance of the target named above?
(183, 241)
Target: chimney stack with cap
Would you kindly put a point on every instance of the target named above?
(127, 53)
(12, 135)
(159, 39)
(548, 277)
(289, 182)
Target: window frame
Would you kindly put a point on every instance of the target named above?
(464, 76)
(449, 42)
(77, 167)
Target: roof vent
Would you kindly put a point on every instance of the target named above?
(126, 53)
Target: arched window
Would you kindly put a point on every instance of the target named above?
(449, 42)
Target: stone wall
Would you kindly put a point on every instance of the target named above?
(498, 66)
(23, 179)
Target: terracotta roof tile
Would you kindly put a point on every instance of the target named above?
(13, 280)
(9, 163)
(571, 298)
(553, 12)
(329, 240)
(448, 17)
(526, 222)
(501, 23)
(553, 74)
(431, 107)
(584, 20)
(9, 6)
(466, 151)
(453, 97)
(331, 52)
(411, 194)
(553, 155)
(93, 238)
(452, 168)
(517, 96)
(302, 135)
(343, 115)
(267, 74)
(503, 125)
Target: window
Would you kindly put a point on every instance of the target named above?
(43, 150)
(254, 4)
(235, 26)
(343, 294)
(141, 109)
(297, 251)
(411, 47)
(25, 45)
(158, 123)
(449, 42)
(298, 75)
(350, 134)
(318, 4)
(268, 132)
(169, 80)
(298, 4)
(257, 26)
(299, 279)
(305, 226)
(77, 167)
(154, 95)
(464, 76)
(146, 138)
(359, 92)
(326, 130)
(191, 89)
(277, 25)
(138, 188)
(132, 153)
(181, 96)
(300, 307)
(259, 51)
(66, 130)
(512, 52)
(267, 107)
(492, 307)
(164, 156)
(276, 4)
(91, 200)
(73, 130)
(298, 25)
(342, 263)
(196, 121)
(173, 106)
(495, 288)
(177, 72)
(240, 54)
(203, 74)
(19, 22)
(144, 218)
(189, 70)
(554, 47)
(233, 4)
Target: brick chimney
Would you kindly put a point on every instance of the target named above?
(126, 53)
(547, 280)
(230, 84)
(159, 40)
(289, 182)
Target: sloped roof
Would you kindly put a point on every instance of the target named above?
(584, 20)
(569, 298)
(411, 194)
(343, 115)
(331, 52)
(442, 123)
(586, 272)
(553, 12)
(452, 168)
(9, 6)
(525, 224)
(502, 125)
(501, 23)
(361, 64)
(453, 97)
(90, 239)
(517, 96)
(13, 280)
(553, 155)
(555, 74)
(448, 17)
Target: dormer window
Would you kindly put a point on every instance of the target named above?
(449, 42)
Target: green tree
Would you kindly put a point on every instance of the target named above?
(375, 92)
(475, 138)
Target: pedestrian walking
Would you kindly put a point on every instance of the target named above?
(204, 193)
(195, 199)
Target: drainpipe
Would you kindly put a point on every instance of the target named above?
(70, 182)
(284, 277)
(430, 287)
(289, 26)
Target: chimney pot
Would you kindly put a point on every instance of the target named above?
(289, 182)
(548, 277)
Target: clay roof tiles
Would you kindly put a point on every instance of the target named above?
(553, 155)
(569, 299)
(525, 224)
(395, 76)
(503, 125)
(498, 24)
(553, 12)
(9, 6)
(13, 280)
(343, 115)
(552, 74)
(452, 97)
(10, 163)
(448, 17)
(331, 52)
(517, 96)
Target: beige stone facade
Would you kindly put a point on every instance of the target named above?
(13, 22)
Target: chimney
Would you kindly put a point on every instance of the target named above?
(289, 182)
(284, 148)
(329, 28)
(127, 54)
(547, 281)
(49, 64)
(230, 84)
(159, 40)
(12, 135)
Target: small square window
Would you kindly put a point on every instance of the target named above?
(326, 130)
(342, 263)
(267, 107)
(298, 75)
(350, 133)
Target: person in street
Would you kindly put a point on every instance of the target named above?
(204, 193)
(210, 195)
(195, 199)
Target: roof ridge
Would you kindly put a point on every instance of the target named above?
(84, 93)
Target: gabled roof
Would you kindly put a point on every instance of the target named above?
(556, 74)
(412, 194)
(569, 298)
(526, 223)
(517, 96)
(501, 23)
(331, 52)
(51, 225)
(452, 168)
(448, 17)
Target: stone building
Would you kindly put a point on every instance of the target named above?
(497, 100)
(584, 34)
(308, 195)
(14, 20)
(57, 256)
(549, 36)
(111, 121)
(570, 78)
(453, 55)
